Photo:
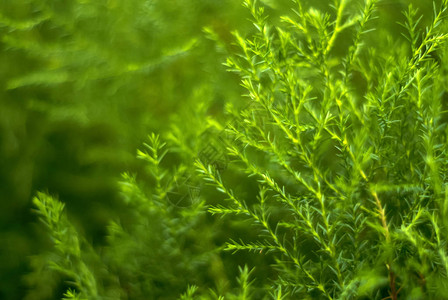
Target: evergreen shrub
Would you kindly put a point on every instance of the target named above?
(332, 172)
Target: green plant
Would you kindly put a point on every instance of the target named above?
(339, 163)
(145, 252)
(68, 257)
(81, 83)
(347, 144)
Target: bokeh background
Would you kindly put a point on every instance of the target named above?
(82, 82)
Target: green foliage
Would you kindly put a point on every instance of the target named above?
(145, 253)
(350, 171)
(81, 84)
(326, 181)
(67, 257)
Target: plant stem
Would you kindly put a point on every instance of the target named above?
(392, 277)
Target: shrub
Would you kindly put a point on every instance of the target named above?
(338, 160)
(348, 149)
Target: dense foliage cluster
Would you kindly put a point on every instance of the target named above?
(351, 172)
(326, 180)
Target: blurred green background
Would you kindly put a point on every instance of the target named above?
(82, 82)
(81, 85)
